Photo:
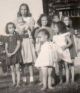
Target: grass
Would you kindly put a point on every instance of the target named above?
(5, 85)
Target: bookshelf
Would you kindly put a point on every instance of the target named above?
(69, 8)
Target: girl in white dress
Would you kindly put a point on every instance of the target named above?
(46, 58)
(63, 42)
(43, 22)
(28, 51)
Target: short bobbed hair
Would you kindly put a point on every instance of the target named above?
(9, 23)
(44, 31)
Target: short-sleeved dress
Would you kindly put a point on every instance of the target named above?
(60, 42)
(47, 55)
(12, 43)
(27, 44)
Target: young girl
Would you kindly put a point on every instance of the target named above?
(56, 18)
(63, 42)
(12, 47)
(72, 48)
(28, 52)
(45, 59)
(43, 22)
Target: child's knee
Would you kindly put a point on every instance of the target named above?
(17, 68)
(49, 71)
(12, 69)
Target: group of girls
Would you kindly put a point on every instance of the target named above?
(44, 47)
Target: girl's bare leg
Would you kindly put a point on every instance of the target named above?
(31, 73)
(18, 74)
(72, 74)
(44, 77)
(67, 72)
(40, 76)
(13, 74)
(60, 73)
(50, 78)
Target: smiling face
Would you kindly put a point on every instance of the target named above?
(44, 21)
(66, 21)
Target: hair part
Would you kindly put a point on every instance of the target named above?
(9, 23)
(27, 7)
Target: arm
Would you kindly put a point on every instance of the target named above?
(69, 42)
(17, 47)
(6, 49)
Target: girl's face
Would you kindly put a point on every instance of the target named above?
(42, 37)
(56, 19)
(11, 28)
(23, 10)
(44, 21)
(55, 29)
(66, 21)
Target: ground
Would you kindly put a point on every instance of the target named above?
(5, 86)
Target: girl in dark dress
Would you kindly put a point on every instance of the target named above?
(12, 47)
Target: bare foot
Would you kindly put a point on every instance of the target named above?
(40, 84)
(43, 88)
(13, 85)
(17, 86)
(50, 87)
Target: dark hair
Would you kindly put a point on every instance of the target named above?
(70, 21)
(61, 27)
(27, 7)
(55, 14)
(7, 31)
(45, 31)
(39, 20)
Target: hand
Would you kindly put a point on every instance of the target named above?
(4, 51)
(9, 54)
(64, 47)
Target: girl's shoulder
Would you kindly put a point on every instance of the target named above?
(66, 34)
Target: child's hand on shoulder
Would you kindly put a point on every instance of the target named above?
(9, 54)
